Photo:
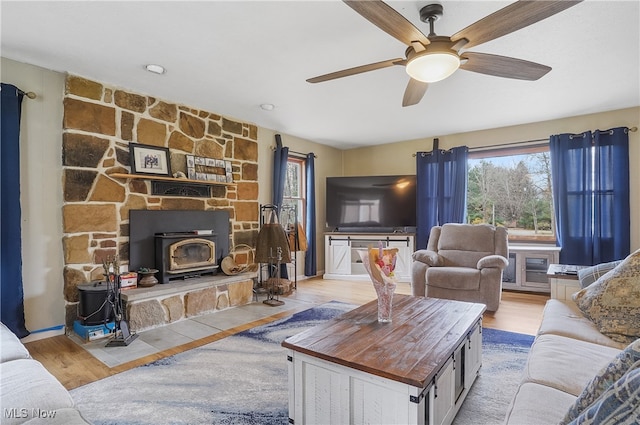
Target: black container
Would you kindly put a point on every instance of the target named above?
(94, 307)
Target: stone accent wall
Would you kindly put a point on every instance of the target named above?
(99, 124)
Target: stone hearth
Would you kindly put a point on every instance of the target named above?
(162, 304)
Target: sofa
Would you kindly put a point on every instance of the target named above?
(574, 368)
(29, 394)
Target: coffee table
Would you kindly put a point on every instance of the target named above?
(415, 370)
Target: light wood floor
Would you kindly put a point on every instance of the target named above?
(74, 367)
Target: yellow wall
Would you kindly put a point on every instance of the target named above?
(41, 195)
(396, 158)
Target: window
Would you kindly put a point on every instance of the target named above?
(512, 187)
(295, 189)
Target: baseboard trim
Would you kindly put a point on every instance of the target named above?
(43, 334)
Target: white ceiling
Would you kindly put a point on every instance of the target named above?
(229, 57)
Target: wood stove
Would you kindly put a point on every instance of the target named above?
(184, 255)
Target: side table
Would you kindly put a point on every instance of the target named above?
(564, 280)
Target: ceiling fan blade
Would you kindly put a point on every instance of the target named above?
(388, 20)
(354, 71)
(502, 66)
(511, 18)
(414, 92)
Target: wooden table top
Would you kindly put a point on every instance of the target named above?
(423, 334)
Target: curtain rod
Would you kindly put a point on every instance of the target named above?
(525, 142)
(631, 129)
(506, 145)
(273, 148)
(29, 94)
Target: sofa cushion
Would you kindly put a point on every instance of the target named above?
(566, 364)
(563, 317)
(10, 346)
(479, 238)
(428, 257)
(613, 301)
(462, 278)
(536, 404)
(626, 360)
(27, 386)
(463, 245)
(588, 275)
(617, 405)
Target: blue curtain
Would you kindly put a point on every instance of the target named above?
(426, 195)
(590, 177)
(310, 259)
(441, 190)
(280, 158)
(452, 195)
(12, 300)
(612, 221)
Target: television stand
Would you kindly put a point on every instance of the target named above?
(342, 260)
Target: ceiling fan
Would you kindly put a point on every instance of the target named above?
(433, 58)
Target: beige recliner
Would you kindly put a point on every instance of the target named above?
(462, 262)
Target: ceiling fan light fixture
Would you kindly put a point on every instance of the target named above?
(430, 67)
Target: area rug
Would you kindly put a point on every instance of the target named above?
(242, 379)
(504, 355)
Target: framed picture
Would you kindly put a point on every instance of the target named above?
(147, 159)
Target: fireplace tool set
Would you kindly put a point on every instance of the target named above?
(272, 249)
(122, 335)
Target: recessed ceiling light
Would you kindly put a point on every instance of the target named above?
(156, 69)
(267, 106)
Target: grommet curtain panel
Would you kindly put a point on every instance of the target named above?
(311, 255)
(12, 293)
(590, 177)
(441, 190)
(280, 159)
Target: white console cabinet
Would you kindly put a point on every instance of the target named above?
(527, 270)
(342, 260)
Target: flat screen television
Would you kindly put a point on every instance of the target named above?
(371, 203)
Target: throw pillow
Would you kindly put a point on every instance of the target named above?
(613, 301)
(588, 275)
(617, 405)
(626, 360)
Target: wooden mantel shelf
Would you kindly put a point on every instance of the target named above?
(169, 179)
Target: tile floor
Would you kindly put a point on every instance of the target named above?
(155, 340)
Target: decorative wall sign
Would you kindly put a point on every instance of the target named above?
(147, 159)
(209, 169)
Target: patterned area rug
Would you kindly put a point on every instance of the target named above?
(504, 355)
(242, 379)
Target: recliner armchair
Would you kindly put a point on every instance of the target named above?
(462, 262)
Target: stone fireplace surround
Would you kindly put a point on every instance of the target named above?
(99, 123)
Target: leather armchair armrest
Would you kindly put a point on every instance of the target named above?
(497, 261)
(431, 258)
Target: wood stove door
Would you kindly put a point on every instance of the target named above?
(190, 254)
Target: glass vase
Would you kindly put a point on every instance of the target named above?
(385, 302)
